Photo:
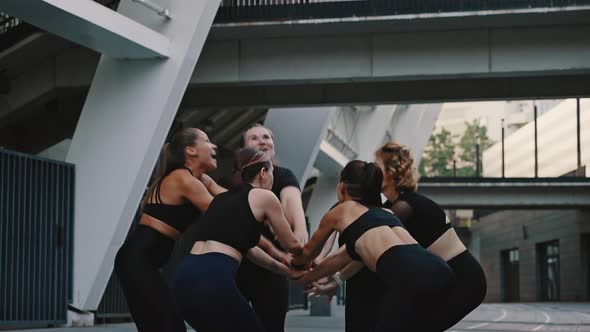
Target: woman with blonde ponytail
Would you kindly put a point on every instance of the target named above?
(180, 192)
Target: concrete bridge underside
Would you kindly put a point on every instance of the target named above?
(509, 193)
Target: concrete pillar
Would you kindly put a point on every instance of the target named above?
(298, 133)
(412, 126)
(322, 198)
(372, 128)
(127, 114)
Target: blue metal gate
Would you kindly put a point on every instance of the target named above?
(36, 239)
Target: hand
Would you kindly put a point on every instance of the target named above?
(301, 235)
(316, 289)
(298, 266)
(296, 275)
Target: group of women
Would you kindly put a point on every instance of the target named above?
(405, 267)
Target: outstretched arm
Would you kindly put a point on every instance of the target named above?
(262, 259)
(328, 266)
(313, 248)
(274, 214)
(212, 187)
(293, 208)
(326, 250)
(273, 251)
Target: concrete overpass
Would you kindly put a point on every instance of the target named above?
(508, 193)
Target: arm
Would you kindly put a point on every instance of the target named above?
(262, 259)
(195, 192)
(293, 208)
(326, 250)
(273, 251)
(212, 187)
(331, 286)
(317, 241)
(274, 214)
(328, 267)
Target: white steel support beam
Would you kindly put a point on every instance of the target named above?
(93, 25)
(127, 114)
(298, 133)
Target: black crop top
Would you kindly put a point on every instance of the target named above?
(178, 216)
(374, 217)
(283, 177)
(230, 220)
(424, 219)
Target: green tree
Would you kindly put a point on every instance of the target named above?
(474, 134)
(438, 155)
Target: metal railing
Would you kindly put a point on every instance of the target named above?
(278, 10)
(36, 239)
(13, 30)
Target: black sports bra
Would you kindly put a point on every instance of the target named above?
(372, 218)
(230, 220)
(178, 216)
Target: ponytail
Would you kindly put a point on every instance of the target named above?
(363, 182)
(160, 171)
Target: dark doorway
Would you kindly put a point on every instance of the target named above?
(510, 275)
(585, 240)
(548, 262)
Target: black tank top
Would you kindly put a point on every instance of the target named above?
(374, 217)
(229, 220)
(177, 216)
(425, 220)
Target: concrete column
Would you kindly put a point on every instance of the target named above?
(412, 126)
(372, 128)
(322, 198)
(298, 133)
(127, 114)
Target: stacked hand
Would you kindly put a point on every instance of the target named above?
(318, 288)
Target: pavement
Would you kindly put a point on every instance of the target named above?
(514, 317)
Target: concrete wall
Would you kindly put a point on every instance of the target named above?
(504, 230)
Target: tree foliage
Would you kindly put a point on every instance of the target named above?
(443, 148)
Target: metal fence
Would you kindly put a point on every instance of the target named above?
(36, 239)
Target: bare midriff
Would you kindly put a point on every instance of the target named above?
(159, 226)
(204, 247)
(374, 242)
(447, 246)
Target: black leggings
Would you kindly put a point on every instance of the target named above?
(206, 294)
(148, 296)
(468, 293)
(364, 292)
(267, 292)
(417, 282)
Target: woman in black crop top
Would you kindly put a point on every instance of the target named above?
(180, 193)
(268, 292)
(428, 224)
(204, 285)
(376, 238)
